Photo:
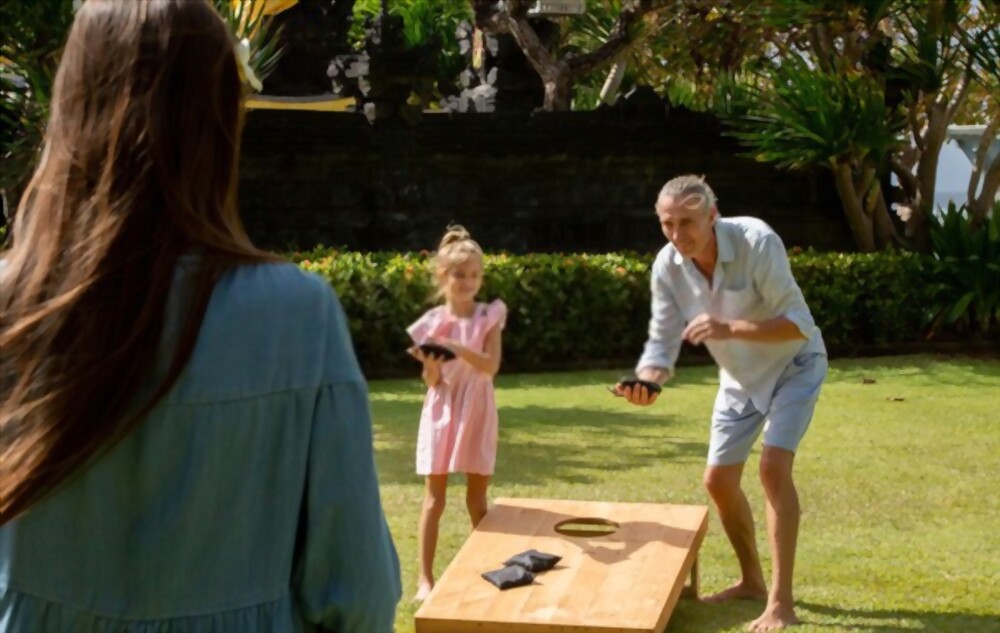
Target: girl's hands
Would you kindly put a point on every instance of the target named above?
(431, 373)
(430, 361)
(487, 361)
(460, 350)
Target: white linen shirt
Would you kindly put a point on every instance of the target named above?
(752, 281)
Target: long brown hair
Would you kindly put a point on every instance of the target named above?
(139, 167)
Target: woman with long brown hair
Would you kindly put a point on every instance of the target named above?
(185, 441)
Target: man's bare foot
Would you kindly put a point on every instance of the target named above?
(423, 590)
(775, 617)
(742, 590)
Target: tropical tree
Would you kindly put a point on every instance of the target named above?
(817, 103)
(911, 60)
(944, 51)
(804, 117)
(688, 50)
(985, 180)
(560, 70)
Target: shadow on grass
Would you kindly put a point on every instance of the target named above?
(694, 616)
(897, 621)
(540, 444)
(601, 378)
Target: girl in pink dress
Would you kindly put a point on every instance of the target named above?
(458, 423)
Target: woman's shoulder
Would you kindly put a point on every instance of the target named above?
(275, 287)
(270, 327)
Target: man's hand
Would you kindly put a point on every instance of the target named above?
(640, 395)
(706, 328)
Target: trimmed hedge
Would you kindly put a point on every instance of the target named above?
(571, 310)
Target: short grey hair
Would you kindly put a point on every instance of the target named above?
(690, 191)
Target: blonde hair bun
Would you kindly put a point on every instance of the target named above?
(455, 233)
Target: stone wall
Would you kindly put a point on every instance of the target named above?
(576, 181)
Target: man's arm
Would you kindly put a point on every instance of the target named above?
(772, 275)
(666, 323)
(776, 330)
(773, 279)
(664, 341)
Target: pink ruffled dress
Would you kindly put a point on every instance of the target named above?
(459, 423)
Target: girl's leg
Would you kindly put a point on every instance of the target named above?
(435, 490)
(475, 496)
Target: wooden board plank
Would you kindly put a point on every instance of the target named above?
(628, 581)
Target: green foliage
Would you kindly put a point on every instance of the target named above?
(31, 37)
(587, 32)
(425, 23)
(965, 270)
(599, 303)
(572, 309)
(813, 117)
(684, 49)
(864, 298)
(730, 96)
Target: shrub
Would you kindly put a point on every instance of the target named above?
(964, 271)
(566, 310)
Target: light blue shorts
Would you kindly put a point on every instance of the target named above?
(795, 395)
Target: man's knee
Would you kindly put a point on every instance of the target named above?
(722, 482)
(776, 469)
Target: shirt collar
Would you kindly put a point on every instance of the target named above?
(724, 241)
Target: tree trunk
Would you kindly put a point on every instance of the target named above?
(918, 226)
(559, 74)
(857, 219)
(885, 232)
(981, 206)
(558, 90)
(919, 229)
(985, 174)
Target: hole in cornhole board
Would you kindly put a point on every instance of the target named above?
(586, 527)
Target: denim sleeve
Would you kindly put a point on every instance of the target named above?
(666, 323)
(772, 275)
(347, 568)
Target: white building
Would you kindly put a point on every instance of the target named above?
(955, 164)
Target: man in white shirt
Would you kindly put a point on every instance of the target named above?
(726, 283)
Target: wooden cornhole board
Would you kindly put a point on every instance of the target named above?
(626, 581)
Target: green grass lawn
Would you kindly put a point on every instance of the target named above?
(901, 502)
